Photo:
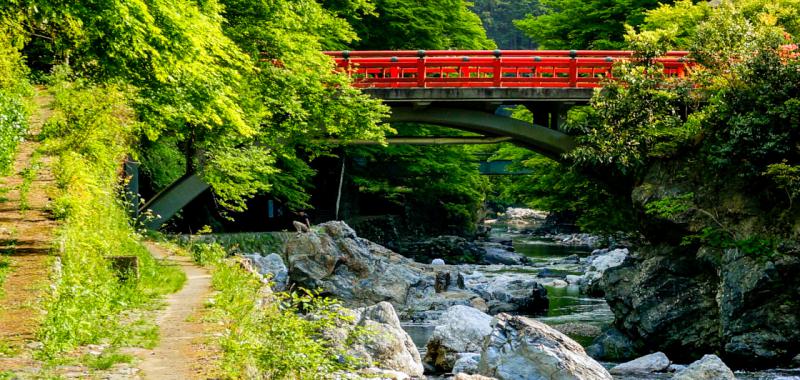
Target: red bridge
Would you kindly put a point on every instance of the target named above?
(467, 90)
(485, 68)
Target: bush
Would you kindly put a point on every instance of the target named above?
(272, 335)
(15, 92)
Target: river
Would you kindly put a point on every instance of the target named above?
(567, 304)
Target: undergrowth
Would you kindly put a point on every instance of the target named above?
(270, 335)
(15, 102)
(91, 131)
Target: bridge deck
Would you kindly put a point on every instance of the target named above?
(486, 94)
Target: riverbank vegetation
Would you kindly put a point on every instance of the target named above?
(90, 132)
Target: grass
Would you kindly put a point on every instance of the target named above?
(90, 134)
(106, 360)
(265, 334)
(28, 175)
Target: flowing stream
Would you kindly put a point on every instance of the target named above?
(567, 304)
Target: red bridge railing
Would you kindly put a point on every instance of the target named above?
(486, 68)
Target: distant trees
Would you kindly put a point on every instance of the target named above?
(498, 18)
(584, 24)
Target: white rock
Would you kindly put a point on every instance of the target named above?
(710, 367)
(655, 362)
(520, 349)
(437, 262)
(574, 279)
(271, 266)
(460, 329)
(600, 264)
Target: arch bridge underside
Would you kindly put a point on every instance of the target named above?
(480, 110)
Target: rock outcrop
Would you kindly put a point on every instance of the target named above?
(355, 270)
(520, 348)
(719, 273)
(460, 329)
(361, 273)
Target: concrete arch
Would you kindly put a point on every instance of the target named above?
(546, 141)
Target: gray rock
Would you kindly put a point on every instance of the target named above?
(272, 267)
(504, 294)
(795, 363)
(385, 345)
(520, 348)
(437, 262)
(590, 284)
(656, 362)
(499, 255)
(355, 270)
(676, 367)
(464, 376)
(614, 346)
(710, 367)
(578, 329)
(460, 329)
(467, 363)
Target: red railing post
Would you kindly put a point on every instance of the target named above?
(497, 69)
(573, 68)
(421, 71)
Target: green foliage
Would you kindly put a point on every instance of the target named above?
(638, 116)
(556, 187)
(265, 337)
(15, 92)
(163, 162)
(434, 186)
(754, 246)
(236, 85)
(89, 132)
(669, 207)
(413, 24)
(786, 177)
(206, 254)
(106, 360)
(584, 24)
(498, 18)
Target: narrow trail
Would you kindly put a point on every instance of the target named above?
(182, 352)
(26, 239)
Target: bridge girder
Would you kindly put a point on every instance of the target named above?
(546, 141)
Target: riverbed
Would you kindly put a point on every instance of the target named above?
(568, 304)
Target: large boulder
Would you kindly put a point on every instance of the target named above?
(710, 367)
(460, 329)
(655, 362)
(520, 348)
(272, 267)
(510, 293)
(355, 270)
(374, 336)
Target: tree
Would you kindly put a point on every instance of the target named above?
(417, 24)
(584, 24)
